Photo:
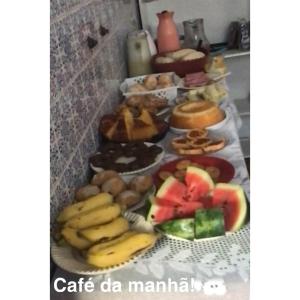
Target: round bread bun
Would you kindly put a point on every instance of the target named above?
(165, 80)
(99, 178)
(128, 198)
(114, 186)
(150, 82)
(141, 184)
(86, 192)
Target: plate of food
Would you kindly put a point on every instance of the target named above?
(154, 104)
(94, 237)
(215, 92)
(197, 114)
(127, 159)
(182, 61)
(128, 191)
(198, 142)
(220, 170)
(128, 125)
(200, 80)
(197, 208)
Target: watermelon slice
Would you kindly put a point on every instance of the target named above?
(232, 200)
(209, 223)
(199, 184)
(172, 191)
(183, 228)
(164, 202)
(160, 213)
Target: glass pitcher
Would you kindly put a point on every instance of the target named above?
(194, 35)
(138, 53)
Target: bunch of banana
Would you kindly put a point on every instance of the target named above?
(97, 227)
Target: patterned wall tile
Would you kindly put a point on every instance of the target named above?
(84, 85)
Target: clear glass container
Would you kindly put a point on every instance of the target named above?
(194, 35)
(138, 53)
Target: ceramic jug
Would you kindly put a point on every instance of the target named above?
(167, 35)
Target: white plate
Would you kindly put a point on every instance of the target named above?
(173, 237)
(214, 78)
(211, 128)
(158, 159)
(70, 259)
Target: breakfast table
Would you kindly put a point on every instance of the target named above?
(216, 268)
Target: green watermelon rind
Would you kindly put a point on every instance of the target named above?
(209, 223)
(151, 211)
(165, 186)
(179, 228)
(242, 216)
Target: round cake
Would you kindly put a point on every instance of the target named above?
(196, 114)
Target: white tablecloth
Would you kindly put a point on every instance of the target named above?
(219, 267)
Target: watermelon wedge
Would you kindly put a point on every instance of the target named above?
(172, 191)
(232, 200)
(161, 213)
(199, 184)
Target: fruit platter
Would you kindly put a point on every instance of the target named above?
(196, 207)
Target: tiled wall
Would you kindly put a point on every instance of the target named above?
(84, 84)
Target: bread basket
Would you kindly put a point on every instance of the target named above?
(181, 68)
(169, 93)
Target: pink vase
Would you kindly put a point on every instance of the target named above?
(167, 35)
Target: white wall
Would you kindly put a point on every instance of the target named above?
(217, 14)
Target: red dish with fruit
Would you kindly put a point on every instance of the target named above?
(219, 169)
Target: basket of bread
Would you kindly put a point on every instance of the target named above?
(162, 85)
(181, 62)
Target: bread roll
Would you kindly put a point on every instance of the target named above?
(179, 54)
(137, 88)
(87, 192)
(150, 82)
(193, 55)
(164, 60)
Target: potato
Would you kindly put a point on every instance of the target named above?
(106, 231)
(84, 206)
(97, 216)
(86, 192)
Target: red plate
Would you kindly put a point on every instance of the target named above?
(225, 167)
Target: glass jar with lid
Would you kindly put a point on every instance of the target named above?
(194, 35)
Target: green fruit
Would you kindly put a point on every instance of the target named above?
(183, 228)
(209, 223)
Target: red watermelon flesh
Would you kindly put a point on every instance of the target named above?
(232, 200)
(161, 213)
(199, 184)
(172, 191)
